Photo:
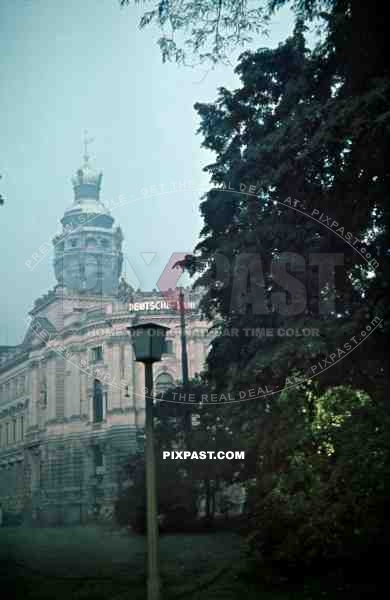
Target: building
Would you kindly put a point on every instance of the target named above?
(71, 395)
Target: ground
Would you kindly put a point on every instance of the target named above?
(91, 563)
(98, 563)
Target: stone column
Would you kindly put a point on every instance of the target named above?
(129, 377)
(196, 359)
(51, 386)
(115, 370)
(33, 405)
(72, 388)
(60, 387)
(90, 391)
(84, 405)
(105, 399)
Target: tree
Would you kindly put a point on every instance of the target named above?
(212, 27)
(211, 431)
(322, 481)
(209, 30)
(308, 129)
(311, 126)
(296, 129)
(175, 493)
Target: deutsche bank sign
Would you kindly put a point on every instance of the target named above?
(155, 305)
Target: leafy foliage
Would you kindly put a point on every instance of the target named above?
(308, 129)
(211, 27)
(296, 129)
(175, 496)
(184, 485)
(321, 493)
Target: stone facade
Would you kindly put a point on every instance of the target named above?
(71, 395)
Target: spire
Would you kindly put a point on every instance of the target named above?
(87, 140)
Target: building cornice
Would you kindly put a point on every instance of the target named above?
(14, 407)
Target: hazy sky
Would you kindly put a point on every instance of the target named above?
(84, 64)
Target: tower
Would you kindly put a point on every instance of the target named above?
(88, 252)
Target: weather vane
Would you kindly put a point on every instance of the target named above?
(87, 140)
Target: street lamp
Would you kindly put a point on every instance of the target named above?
(148, 341)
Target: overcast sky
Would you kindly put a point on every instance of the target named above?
(84, 64)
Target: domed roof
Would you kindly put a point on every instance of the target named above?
(87, 182)
(88, 174)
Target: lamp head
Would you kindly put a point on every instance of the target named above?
(148, 340)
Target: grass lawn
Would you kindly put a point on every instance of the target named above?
(92, 563)
(99, 563)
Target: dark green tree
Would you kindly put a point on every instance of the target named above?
(310, 126)
(296, 129)
(211, 431)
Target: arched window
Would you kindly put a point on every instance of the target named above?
(163, 383)
(97, 401)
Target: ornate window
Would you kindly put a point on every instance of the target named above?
(163, 383)
(97, 353)
(97, 401)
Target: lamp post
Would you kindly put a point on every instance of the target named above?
(148, 342)
(187, 422)
(184, 356)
